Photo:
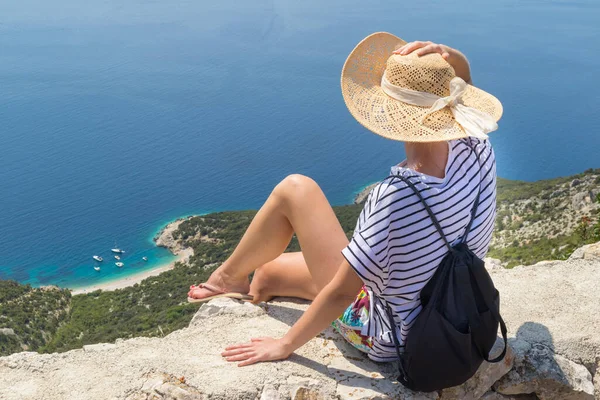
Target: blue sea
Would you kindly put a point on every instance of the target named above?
(117, 117)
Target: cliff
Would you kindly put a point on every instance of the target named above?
(552, 310)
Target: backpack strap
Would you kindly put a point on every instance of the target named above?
(496, 315)
(402, 378)
(431, 214)
(476, 203)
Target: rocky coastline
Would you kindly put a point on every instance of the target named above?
(164, 238)
(362, 195)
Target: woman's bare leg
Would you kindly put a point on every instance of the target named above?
(296, 205)
(287, 275)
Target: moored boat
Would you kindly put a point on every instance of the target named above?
(97, 258)
(117, 250)
(145, 258)
(97, 268)
(117, 258)
(119, 264)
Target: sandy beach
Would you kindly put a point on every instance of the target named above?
(131, 280)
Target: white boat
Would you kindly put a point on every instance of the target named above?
(145, 258)
(117, 258)
(97, 268)
(97, 258)
(119, 264)
(116, 250)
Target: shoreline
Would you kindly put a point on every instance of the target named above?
(361, 196)
(133, 279)
(163, 238)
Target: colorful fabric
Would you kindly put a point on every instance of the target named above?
(351, 322)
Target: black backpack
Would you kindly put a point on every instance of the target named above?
(458, 324)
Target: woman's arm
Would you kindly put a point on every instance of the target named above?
(454, 57)
(329, 304)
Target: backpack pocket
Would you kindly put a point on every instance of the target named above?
(437, 351)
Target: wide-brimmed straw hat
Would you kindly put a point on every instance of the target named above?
(411, 98)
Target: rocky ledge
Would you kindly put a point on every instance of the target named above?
(552, 311)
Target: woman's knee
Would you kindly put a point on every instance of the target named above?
(296, 186)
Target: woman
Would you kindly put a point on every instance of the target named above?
(413, 92)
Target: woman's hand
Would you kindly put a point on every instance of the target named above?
(455, 58)
(258, 350)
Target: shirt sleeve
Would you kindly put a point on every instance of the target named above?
(359, 253)
(361, 258)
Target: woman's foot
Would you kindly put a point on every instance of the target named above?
(260, 289)
(223, 282)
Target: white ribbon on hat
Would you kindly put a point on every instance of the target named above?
(476, 123)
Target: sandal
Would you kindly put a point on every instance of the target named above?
(218, 293)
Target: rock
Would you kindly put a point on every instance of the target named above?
(304, 393)
(360, 379)
(363, 194)
(492, 263)
(269, 392)
(165, 237)
(484, 378)
(497, 396)
(166, 387)
(90, 348)
(548, 375)
(563, 299)
(559, 193)
(597, 380)
(580, 200)
(557, 305)
(575, 182)
(224, 305)
(587, 252)
(7, 332)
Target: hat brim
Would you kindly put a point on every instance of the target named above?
(392, 119)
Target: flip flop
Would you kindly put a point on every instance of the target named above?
(218, 293)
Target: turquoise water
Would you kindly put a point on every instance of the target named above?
(119, 116)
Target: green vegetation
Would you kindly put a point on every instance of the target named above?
(32, 316)
(510, 191)
(53, 320)
(558, 248)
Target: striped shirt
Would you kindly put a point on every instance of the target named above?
(396, 249)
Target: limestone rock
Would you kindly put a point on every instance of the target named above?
(559, 193)
(484, 378)
(491, 395)
(224, 305)
(556, 305)
(492, 263)
(597, 380)
(7, 332)
(362, 196)
(580, 200)
(548, 375)
(269, 392)
(575, 182)
(89, 348)
(166, 387)
(563, 299)
(587, 252)
(165, 237)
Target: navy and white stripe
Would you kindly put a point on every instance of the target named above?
(396, 248)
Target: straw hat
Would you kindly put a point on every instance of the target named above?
(378, 111)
